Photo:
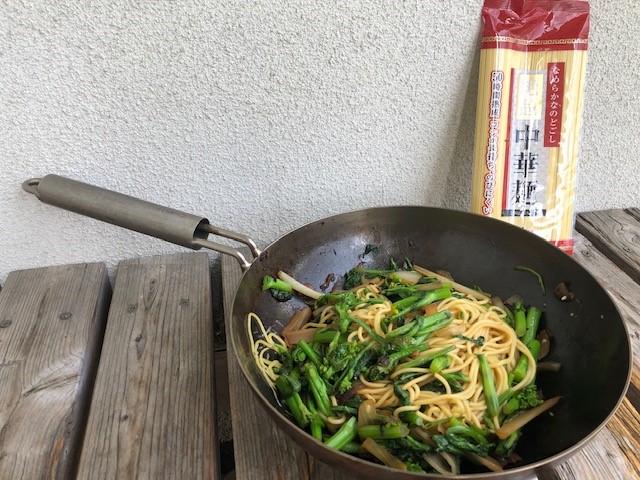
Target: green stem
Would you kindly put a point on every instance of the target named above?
(352, 448)
(432, 296)
(533, 320)
(317, 423)
(520, 321)
(511, 406)
(310, 353)
(490, 395)
(439, 364)
(318, 390)
(412, 418)
(298, 409)
(523, 363)
(389, 431)
(344, 435)
(368, 329)
(420, 361)
(325, 336)
(418, 324)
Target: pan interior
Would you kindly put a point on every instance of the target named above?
(588, 335)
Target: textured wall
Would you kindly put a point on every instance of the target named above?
(264, 115)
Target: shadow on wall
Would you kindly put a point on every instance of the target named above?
(457, 172)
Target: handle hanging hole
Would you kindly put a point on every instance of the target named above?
(31, 185)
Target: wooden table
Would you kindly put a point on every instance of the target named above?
(608, 246)
(102, 386)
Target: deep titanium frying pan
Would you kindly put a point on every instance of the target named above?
(590, 339)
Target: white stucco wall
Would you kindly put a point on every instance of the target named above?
(263, 115)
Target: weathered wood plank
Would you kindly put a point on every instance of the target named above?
(152, 414)
(621, 457)
(51, 326)
(254, 434)
(616, 233)
(634, 212)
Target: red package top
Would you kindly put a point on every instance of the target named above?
(535, 24)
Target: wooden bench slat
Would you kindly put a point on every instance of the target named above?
(51, 326)
(616, 233)
(254, 433)
(613, 453)
(152, 414)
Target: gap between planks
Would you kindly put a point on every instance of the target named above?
(616, 233)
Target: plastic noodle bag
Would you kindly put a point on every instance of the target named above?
(531, 84)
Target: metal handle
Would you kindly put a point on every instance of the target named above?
(174, 226)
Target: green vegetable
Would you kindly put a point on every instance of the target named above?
(269, 282)
(488, 387)
(523, 362)
(327, 336)
(288, 385)
(505, 447)
(318, 390)
(478, 341)
(410, 304)
(317, 424)
(533, 320)
(387, 363)
(342, 303)
(420, 361)
(280, 290)
(310, 353)
(439, 364)
(412, 418)
(520, 320)
(420, 325)
(402, 394)
(280, 295)
(354, 276)
(510, 407)
(343, 353)
(523, 400)
(298, 409)
(459, 439)
(352, 448)
(406, 445)
(536, 274)
(356, 365)
(344, 435)
(387, 431)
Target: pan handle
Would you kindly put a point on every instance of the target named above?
(174, 226)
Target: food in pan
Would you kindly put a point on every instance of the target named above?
(407, 368)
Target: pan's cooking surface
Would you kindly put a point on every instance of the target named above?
(589, 337)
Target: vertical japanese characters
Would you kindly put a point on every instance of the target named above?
(529, 113)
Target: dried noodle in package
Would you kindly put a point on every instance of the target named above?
(532, 71)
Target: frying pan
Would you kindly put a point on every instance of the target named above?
(590, 339)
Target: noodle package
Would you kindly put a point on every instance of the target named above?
(532, 72)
